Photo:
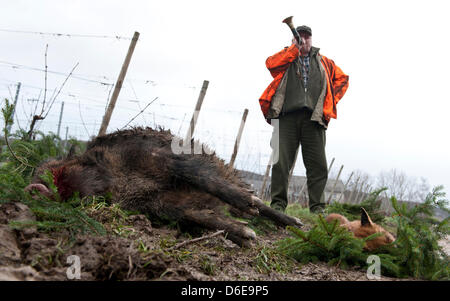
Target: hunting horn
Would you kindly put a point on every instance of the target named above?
(289, 23)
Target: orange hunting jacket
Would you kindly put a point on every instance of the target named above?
(333, 90)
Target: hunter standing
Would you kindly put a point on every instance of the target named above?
(303, 96)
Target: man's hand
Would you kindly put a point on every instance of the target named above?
(305, 43)
(294, 41)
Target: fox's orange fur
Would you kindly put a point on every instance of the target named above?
(364, 228)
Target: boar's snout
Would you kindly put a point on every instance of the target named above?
(40, 188)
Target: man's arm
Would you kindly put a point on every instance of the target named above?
(277, 65)
(279, 62)
(337, 77)
(340, 82)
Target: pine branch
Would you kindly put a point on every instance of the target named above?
(300, 233)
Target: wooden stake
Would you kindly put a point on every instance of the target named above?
(359, 191)
(65, 140)
(364, 194)
(353, 191)
(198, 106)
(334, 186)
(345, 186)
(118, 85)
(60, 118)
(238, 139)
(266, 175)
(292, 167)
(331, 165)
(301, 192)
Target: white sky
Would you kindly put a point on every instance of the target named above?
(394, 114)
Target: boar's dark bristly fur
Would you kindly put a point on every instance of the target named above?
(139, 169)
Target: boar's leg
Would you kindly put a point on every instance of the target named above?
(203, 175)
(201, 209)
(234, 230)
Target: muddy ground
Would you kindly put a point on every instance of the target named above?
(142, 251)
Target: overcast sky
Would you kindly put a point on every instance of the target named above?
(394, 114)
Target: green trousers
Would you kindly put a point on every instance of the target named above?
(295, 129)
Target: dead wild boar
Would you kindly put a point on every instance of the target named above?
(139, 169)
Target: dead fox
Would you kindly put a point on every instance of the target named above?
(364, 228)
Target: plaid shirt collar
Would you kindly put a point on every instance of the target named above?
(304, 67)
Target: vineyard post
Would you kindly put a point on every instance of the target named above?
(118, 86)
(238, 139)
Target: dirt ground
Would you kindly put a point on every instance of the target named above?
(148, 253)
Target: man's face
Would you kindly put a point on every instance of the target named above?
(306, 42)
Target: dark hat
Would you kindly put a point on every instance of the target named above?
(304, 28)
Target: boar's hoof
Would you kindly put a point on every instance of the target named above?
(298, 222)
(249, 233)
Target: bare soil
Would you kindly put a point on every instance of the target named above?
(145, 252)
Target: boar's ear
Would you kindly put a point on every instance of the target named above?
(71, 152)
(365, 218)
